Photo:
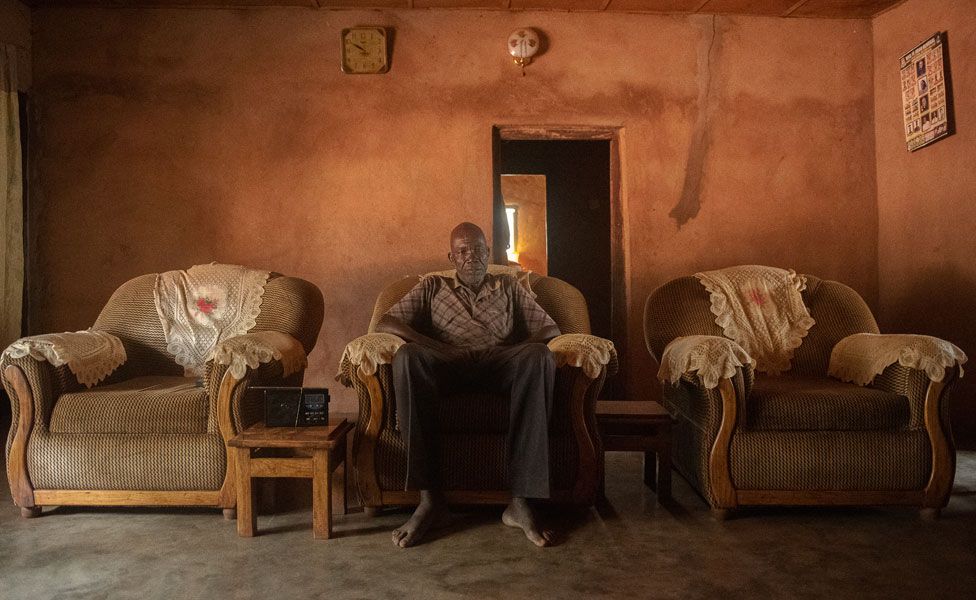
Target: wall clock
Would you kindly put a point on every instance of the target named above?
(364, 50)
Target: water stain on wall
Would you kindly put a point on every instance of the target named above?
(690, 201)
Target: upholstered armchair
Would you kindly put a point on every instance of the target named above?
(147, 434)
(473, 424)
(803, 437)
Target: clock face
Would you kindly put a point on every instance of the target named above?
(364, 50)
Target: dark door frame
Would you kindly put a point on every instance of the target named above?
(618, 280)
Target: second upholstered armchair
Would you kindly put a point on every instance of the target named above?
(109, 417)
(804, 437)
(473, 425)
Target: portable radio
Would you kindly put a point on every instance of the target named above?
(294, 406)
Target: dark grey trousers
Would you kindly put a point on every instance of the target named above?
(524, 372)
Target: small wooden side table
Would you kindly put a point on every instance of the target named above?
(639, 426)
(309, 452)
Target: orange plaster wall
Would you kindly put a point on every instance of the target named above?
(166, 138)
(927, 198)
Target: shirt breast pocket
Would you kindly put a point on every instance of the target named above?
(497, 319)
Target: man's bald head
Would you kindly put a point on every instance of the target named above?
(469, 253)
(468, 229)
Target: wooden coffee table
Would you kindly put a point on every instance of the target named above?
(639, 426)
(309, 452)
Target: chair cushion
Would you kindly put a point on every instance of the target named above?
(822, 404)
(156, 404)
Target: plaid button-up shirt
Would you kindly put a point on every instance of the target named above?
(502, 311)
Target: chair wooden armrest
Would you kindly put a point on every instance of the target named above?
(376, 412)
(725, 412)
(929, 405)
(234, 411)
(582, 392)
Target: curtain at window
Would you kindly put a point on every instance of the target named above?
(11, 201)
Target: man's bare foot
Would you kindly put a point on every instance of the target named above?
(432, 508)
(519, 514)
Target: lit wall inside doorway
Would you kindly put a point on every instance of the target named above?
(527, 193)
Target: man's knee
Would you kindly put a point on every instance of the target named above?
(411, 354)
(537, 355)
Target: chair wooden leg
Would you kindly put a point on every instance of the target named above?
(230, 514)
(371, 511)
(30, 512)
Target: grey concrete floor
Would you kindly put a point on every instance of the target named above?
(633, 547)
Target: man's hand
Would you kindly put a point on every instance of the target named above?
(543, 335)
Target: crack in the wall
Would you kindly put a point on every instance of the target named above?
(689, 204)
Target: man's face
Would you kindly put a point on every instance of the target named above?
(469, 253)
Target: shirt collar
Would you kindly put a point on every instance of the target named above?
(491, 282)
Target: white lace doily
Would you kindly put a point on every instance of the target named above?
(761, 309)
(370, 351)
(589, 352)
(205, 305)
(252, 349)
(91, 355)
(859, 358)
(710, 356)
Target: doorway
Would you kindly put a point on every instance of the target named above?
(559, 188)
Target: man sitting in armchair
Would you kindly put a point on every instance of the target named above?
(473, 329)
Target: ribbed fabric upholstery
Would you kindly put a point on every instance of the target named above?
(126, 462)
(473, 461)
(839, 312)
(131, 315)
(474, 423)
(473, 411)
(910, 383)
(801, 431)
(46, 382)
(296, 308)
(689, 455)
(679, 307)
(830, 460)
(698, 414)
(293, 306)
(821, 403)
(116, 437)
(153, 404)
(390, 295)
(564, 303)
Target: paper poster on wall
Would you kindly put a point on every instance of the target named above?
(926, 93)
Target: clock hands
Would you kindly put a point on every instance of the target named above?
(364, 50)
